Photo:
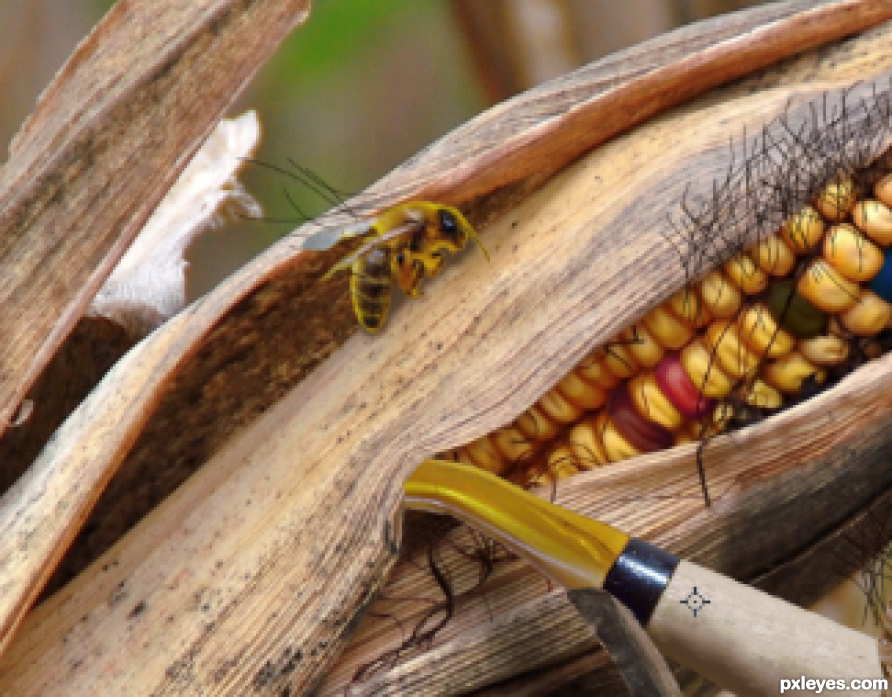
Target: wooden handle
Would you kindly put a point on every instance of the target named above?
(747, 641)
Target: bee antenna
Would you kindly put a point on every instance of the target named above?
(303, 217)
(473, 233)
(311, 181)
(333, 194)
(322, 188)
(288, 197)
(270, 165)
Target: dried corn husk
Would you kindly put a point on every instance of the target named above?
(253, 573)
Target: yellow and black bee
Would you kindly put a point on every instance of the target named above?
(405, 243)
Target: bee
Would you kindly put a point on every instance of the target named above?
(405, 244)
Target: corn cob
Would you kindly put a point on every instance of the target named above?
(771, 320)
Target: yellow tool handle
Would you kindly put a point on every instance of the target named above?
(571, 549)
(740, 638)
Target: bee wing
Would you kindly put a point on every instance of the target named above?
(374, 242)
(327, 237)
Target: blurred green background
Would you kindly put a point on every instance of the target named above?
(363, 85)
(359, 88)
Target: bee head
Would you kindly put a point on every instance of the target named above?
(454, 228)
(448, 228)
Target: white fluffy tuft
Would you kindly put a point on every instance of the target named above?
(149, 283)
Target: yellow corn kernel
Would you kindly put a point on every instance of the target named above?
(868, 316)
(651, 403)
(535, 478)
(773, 256)
(723, 341)
(689, 434)
(826, 288)
(874, 219)
(512, 444)
(581, 392)
(852, 254)
(535, 425)
(764, 396)
(787, 374)
(671, 332)
(643, 347)
(687, 306)
(837, 199)
(803, 231)
(721, 415)
(584, 441)
(619, 360)
(760, 332)
(561, 464)
(616, 447)
(721, 297)
(483, 453)
(704, 372)
(558, 408)
(826, 351)
(592, 369)
(742, 270)
(883, 190)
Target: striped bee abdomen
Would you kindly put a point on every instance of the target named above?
(405, 244)
(370, 285)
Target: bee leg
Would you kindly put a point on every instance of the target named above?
(412, 289)
(343, 265)
(434, 264)
(409, 274)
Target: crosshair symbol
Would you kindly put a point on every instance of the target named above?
(695, 601)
